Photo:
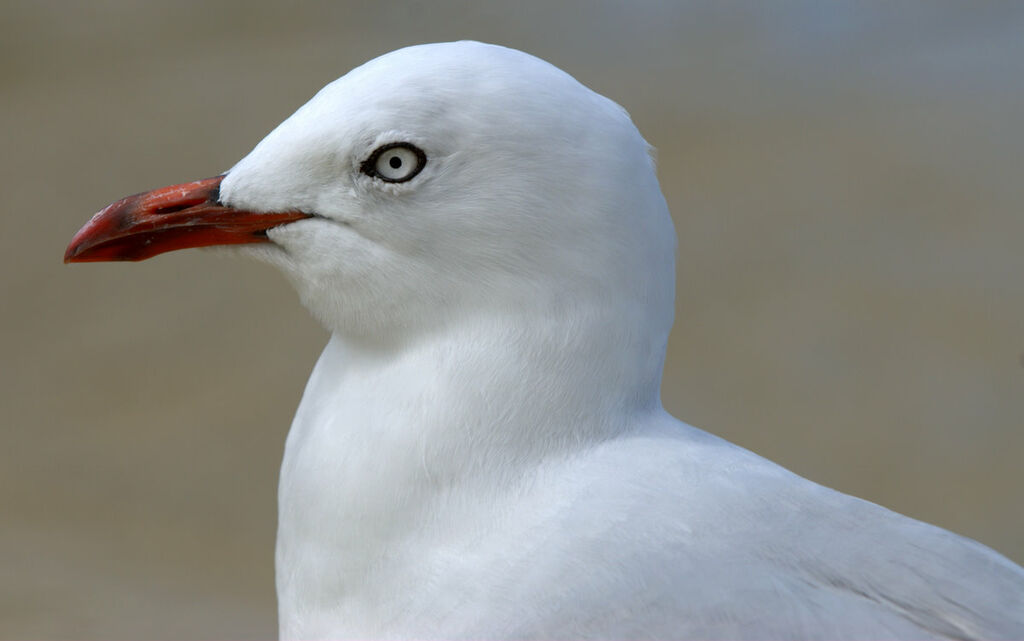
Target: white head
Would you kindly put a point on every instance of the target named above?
(536, 208)
(535, 191)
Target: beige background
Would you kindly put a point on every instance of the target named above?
(847, 188)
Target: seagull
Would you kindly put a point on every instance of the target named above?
(481, 451)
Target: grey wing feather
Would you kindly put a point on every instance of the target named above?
(811, 562)
(946, 585)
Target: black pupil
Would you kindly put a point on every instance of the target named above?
(395, 162)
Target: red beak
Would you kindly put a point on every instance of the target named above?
(169, 218)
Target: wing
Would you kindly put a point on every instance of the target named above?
(947, 585)
(681, 534)
(675, 534)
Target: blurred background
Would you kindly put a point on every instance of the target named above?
(846, 183)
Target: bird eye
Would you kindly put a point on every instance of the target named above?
(395, 162)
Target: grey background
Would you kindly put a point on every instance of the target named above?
(846, 183)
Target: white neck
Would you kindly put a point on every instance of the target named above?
(383, 440)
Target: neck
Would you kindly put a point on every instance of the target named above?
(485, 395)
(383, 437)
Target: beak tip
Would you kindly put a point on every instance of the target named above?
(79, 244)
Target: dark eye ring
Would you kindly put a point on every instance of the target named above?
(395, 162)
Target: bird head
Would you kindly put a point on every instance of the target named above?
(431, 183)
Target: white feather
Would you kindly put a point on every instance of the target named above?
(481, 451)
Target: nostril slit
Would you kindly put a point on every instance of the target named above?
(170, 209)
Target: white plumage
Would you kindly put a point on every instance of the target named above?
(481, 451)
